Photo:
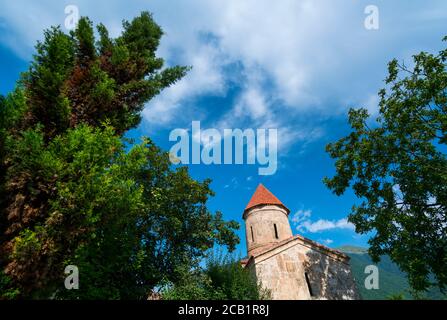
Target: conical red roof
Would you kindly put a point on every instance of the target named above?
(263, 196)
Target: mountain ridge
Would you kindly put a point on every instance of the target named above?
(392, 281)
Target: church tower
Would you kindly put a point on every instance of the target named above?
(291, 267)
(266, 221)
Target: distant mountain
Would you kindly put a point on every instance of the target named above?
(392, 281)
(352, 249)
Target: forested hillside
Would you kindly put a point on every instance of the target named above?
(392, 281)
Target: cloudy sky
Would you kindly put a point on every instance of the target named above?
(293, 65)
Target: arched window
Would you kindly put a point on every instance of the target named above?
(276, 231)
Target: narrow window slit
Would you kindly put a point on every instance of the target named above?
(276, 231)
(252, 235)
(308, 284)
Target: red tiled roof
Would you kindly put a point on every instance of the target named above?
(263, 196)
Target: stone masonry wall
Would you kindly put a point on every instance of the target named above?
(283, 270)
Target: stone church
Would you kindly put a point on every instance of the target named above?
(292, 267)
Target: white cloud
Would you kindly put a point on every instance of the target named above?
(303, 223)
(233, 184)
(252, 103)
(301, 215)
(206, 77)
(326, 241)
(295, 57)
(323, 225)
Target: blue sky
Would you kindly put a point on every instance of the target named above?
(296, 66)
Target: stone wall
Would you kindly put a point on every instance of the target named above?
(299, 269)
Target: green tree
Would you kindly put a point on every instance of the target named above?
(223, 278)
(398, 296)
(398, 167)
(74, 193)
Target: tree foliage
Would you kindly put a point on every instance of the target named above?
(74, 79)
(74, 193)
(398, 166)
(222, 278)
